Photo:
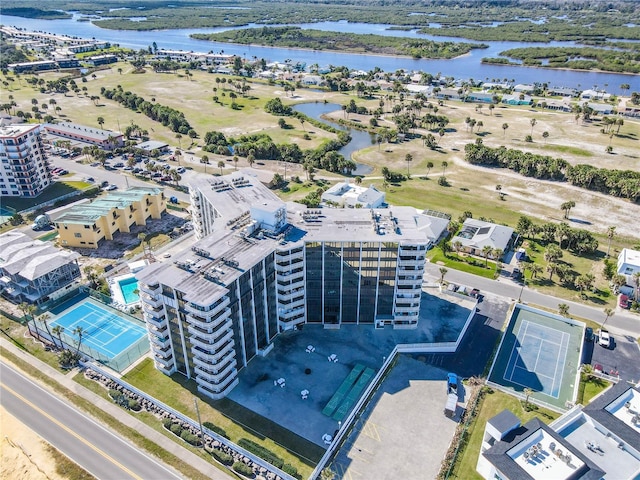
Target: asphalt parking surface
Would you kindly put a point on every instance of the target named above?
(623, 356)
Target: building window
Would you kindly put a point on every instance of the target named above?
(77, 235)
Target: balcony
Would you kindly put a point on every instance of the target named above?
(209, 324)
(407, 309)
(212, 346)
(153, 312)
(217, 392)
(211, 358)
(151, 290)
(410, 262)
(286, 296)
(409, 281)
(209, 334)
(207, 314)
(293, 282)
(152, 301)
(165, 362)
(287, 257)
(159, 323)
(216, 376)
(219, 365)
(163, 352)
(166, 370)
(160, 342)
(287, 315)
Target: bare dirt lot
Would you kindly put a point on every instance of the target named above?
(25, 455)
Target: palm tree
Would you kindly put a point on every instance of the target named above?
(457, 246)
(445, 164)
(443, 272)
(100, 121)
(533, 124)
(486, 251)
(499, 190)
(429, 167)
(527, 393)
(611, 231)
(563, 309)
(78, 331)
(504, 129)
(220, 166)
(609, 312)
(43, 320)
(58, 330)
(535, 270)
(27, 310)
(567, 206)
(235, 161)
(327, 474)
(408, 158)
(179, 137)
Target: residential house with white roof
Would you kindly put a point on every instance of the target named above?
(475, 235)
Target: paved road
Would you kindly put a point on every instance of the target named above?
(96, 449)
(622, 320)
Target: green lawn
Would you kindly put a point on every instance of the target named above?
(237, 421)
(590, 388)
(492, 404)
(53, 191)
(452, 261)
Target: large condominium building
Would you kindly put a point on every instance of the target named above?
(263, 266)
(86, 225)
(23, 171)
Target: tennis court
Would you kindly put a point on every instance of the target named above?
(536, 356)
(106, 333)
(539, 351)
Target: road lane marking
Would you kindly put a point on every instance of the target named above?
(71, 432)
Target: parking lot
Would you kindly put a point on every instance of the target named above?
(403, 433)
(623, 356)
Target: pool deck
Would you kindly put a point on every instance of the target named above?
(442, 320)
(116, 291)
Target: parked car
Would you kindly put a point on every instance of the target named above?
(181, 169)
(111, 187)
(119, 165)
(173, 199)
(623, 301)
(104, 184)
(91, 179)
(588, 334)
(604, 339)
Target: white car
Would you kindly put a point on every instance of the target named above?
(604, 340)
(111, 187)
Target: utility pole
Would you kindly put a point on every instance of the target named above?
(195, 402)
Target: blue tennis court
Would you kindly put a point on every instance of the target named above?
(104, 331)
(537, 358)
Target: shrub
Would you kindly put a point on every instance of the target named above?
(222, 457)
(290, 469)
(167, 423)
(134, 405)
(243, 469)
(189, 437)
(113, 393)
(262, 452)
(214, 428)
(176, 429)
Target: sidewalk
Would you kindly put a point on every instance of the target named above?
(118, 413)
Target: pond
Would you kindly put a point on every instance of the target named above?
(359, 139)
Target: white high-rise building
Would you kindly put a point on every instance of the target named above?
(264, 266)
(23, 171)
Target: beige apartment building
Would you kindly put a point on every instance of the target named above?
(85, 226)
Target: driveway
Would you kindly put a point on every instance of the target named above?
(623, 356)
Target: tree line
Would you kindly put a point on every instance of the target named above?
(167, 116)
(618, 183)
(296, 37)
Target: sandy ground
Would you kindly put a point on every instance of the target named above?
(24, 453)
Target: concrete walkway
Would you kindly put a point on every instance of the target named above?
(118, 413)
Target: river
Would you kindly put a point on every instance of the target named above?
(464, 67)
(359, 139)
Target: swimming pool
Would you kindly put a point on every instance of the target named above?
(128, 287)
